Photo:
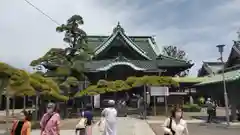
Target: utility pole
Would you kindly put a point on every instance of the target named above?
(220, 50)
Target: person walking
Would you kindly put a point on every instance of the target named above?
(88, 114)
(22, 126)
(110, 118)
(175, 124)
(140, 105)
(124, 107)
(50, 121)
(84, 126)
(210, 110)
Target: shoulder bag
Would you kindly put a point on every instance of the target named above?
(43, 128)
(170, 127)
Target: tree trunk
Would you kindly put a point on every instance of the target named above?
(13, 105)
(1, 98)
(36, 107)
(3, 84)
(144, 99)
(24, 102)
(7, 112)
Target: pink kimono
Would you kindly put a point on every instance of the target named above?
(52, 126)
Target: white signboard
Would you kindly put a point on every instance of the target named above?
(160, 100)
(159, 91)
(97, 101)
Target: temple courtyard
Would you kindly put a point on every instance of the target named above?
(131, 125)
(134, 126)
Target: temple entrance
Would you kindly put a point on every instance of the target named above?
(122, 72)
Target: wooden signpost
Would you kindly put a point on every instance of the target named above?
(157, 91)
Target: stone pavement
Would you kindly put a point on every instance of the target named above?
(199, 129)
(125, 126)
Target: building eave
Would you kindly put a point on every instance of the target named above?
(109, 66)
(234, 49)
(154, 46)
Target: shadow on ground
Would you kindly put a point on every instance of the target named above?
(217, 119)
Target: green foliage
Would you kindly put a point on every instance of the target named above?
(63, 71)
(72, 81)
(191, 108)
(67, 65)
(74, 36)
(119, 85)
(201, 100)
(21, 83)
(6, 70)
(46, 86)
(174, 52)
(53, 58)
(104, 86)
(151, 81)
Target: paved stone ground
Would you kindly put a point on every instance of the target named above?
(200, 129)
(125, 126)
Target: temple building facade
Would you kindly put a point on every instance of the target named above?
(119, 56)
(212, 86)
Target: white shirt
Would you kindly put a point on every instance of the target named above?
(179, 128)
(110, 114)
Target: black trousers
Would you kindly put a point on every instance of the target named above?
(80, 130)
(210, 115)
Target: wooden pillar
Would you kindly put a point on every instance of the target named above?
(7, 111)
(190, 97)
(144, 99)
(84, 87)
(13, 105)
(37, 106)
(233, 112)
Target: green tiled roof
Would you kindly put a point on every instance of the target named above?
(189, 79)
(144, 45)
(143, 42)
(209, 68)
(229, 76)
(94, 65)
(164, 62)
(214, 66)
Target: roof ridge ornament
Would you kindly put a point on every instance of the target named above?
(120, 57)
(118, 28)
(238, 33)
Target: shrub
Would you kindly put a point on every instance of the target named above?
(191, 108)
(35, 124)
(201, 100)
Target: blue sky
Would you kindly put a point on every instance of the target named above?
(195, 26)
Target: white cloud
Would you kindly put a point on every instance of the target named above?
(25, 34)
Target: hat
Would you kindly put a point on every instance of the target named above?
(111, 102)
(51, 105)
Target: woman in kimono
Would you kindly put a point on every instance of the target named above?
(110, 116)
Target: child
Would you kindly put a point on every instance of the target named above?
(81, 126)
(87, 118)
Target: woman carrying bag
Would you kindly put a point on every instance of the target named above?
(50, 122)
(175, 125)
